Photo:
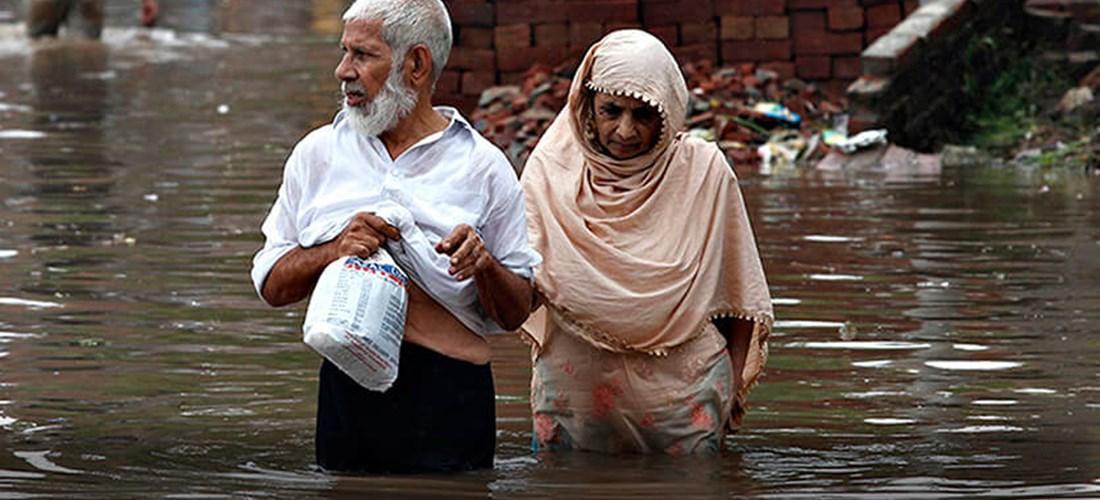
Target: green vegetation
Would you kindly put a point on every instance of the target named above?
(1013, 114)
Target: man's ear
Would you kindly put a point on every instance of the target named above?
(418, 66)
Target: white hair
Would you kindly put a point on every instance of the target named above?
(406, 23)
(394, 102)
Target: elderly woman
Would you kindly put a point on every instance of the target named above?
(657, 309)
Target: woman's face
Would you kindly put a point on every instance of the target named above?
(626, 127)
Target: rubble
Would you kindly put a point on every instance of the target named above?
(751, 113)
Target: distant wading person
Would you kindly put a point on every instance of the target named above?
(45, 17)
(657, 308)
(389, 145)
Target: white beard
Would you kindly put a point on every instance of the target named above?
(394, 101)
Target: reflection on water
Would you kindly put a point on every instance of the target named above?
(936, 335)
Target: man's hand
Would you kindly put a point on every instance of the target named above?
(364, 235)
(149, 13)
(468, 253)
(296, 273)
(505, 296)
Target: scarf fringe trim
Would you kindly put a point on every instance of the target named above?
(635, 95)
(610, 342)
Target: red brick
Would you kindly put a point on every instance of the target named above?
(737, 28)
(885, 15)
(473, 82)
(750, 7)
(834, 89)
(667, 34)
(889, 54)
(512, 35)
(793, 5)
(531, 11)
(857, 125)
(522, 58)
(875, 33)
(846, 18)
(584, 34)
(704, 32)
(552, 34)
(813, 67)
(910, 6)
(448, 82)
(847, 67)
(807, 22)
(827, 43)
(785, 69)
(620, 25)
(470, 58)
(513, 78)
(756, 50)
(807, 4)
(601, 10)
(694, 53)
(866, 88)
(465, 103)
(664, 12)
(471, 13)
(478, 38)
(773, 27)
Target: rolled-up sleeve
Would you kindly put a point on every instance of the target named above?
(504, 229)
(279, 228)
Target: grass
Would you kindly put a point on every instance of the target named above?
(1012, 110)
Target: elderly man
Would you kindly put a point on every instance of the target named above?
(389, 144)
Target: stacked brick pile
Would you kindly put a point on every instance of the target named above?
(721, 109)
(496, 41)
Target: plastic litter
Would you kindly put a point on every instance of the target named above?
(863, 140)
(833, 138)
(777, 111)
(781, 152)
(356, 318)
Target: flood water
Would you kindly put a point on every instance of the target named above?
(935, 335)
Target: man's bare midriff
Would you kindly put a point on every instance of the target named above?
(429, 325)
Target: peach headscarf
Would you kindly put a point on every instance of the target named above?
(640, 254)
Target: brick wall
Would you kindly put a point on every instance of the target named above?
(816, 40)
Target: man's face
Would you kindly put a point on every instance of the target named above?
(376, 97)
(626, 127)
(366, 62)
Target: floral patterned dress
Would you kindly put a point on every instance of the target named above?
(588, 398)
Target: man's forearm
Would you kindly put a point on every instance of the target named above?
(296, 273)
(505, 295)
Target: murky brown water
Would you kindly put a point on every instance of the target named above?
(936, 336)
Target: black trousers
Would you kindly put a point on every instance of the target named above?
(439, 416)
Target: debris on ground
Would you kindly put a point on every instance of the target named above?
(770, 125)
(757, 118)
(893, 161)
(862, 140)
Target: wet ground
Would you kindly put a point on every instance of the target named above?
(936, 335)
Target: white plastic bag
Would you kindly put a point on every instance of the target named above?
(356, 318)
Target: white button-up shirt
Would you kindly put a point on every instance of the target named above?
(452, 177)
